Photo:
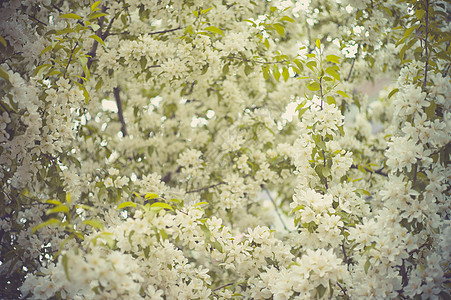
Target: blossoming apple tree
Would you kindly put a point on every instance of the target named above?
(148, 151)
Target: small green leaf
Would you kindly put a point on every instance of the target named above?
(285, 73)
(318, 43)
(151, 196)
(97, 15)
(204, 11)
(333, 73)
(126, 204)
(279, 28)
(331, 100)
(394, 91)
(201, 203)
(70, 16)
(65, 262)
(275, 72)
(94, 5)
(94, 223)
(311, 65)
(321, 289)
(195, 13)
(367, 266)
(265, 70)
(288, 19)
(341, 93)
(98, 39)
(214, 30)
(57, 209)
(49, 222)
(3, 41)
(3, 74)
(314, 86)
(162, 205)
(333, 58)
(273, 8)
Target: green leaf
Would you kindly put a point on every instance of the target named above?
(70, 16)
(3, 41)
(3, 74)
(394, 91)
(195, 13)
(65, 262)
(214, 30)
(341, 93)
(68, 198)
(94, 5)
(318, 43)
(288, 19)
(54, 202)
(162, 205)
(314, 86)
(126, 204)
(311, 65)
(265, 70)
(273, 8)
(367, 266)
(97, 15)
(279, 28)
(204, 11)
(151, 196)
(49, 222)
(59, 208)
(331, 71)
(285, 73)
(333, 58)
(331, 100)
(94, 223)
(48, 48)
(321, 290)
(275, 72)
(201, 203)
(98, 39)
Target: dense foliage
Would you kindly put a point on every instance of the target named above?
(224, 149)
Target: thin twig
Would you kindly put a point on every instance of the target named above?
(275, 208)
(34, 18)
(343, 290)
(426, 46)
(223, 286)
(379, 172)
(120, 113)
(165, 31)
(70, 59)
(256, 61)
(206, 187)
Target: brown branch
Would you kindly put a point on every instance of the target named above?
(120, 113)
(165, 31)
(206, 187)
(379, 172)
(70, 59)
(34, 18)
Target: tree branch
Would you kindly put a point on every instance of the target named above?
(120, 113)
(256, 61)
(70, 59)
(206, 187)
(379, 172)
(426, 46)
(275, 208)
